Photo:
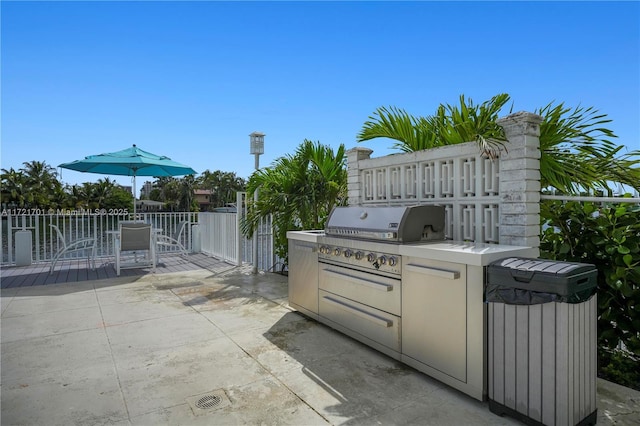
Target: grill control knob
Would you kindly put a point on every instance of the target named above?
(371, 257)
(337, 251)
(359, 255)
(393, 261)
(382, 260)
(348, 253)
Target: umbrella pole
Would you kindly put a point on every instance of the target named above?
(134, 195)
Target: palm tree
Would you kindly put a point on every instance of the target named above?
(75, 196)
(41, 182)
(88, 199)
(186, 197)
(168, 191)
(223, 186)
(298, 191)
(13, 187)
(577, 153)
(102, 190)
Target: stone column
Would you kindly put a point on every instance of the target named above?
(520, 180)
(354, 187)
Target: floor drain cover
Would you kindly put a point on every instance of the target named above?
(206, 402)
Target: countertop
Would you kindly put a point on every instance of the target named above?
(477, 254)
(469, 253)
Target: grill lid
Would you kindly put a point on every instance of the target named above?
(397, 223)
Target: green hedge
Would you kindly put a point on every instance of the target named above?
(607, 236)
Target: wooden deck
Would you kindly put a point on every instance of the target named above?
(67, 271)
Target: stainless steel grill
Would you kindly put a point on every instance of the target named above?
(401, 224)
(352, 232)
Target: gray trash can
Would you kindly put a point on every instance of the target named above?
(542, 338)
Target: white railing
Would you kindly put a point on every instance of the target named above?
(221, 237)
(79, 224)
(267, 258)
(631, 200)
(219, 234)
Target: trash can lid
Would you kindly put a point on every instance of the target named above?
(524, 281)
(544, 266)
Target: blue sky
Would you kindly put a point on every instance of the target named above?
(191, 80)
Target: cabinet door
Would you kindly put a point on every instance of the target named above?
(303, 275)
(434, 315)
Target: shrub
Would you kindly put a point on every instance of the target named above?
(607, 236)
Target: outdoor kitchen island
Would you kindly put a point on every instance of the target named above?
(421, 303)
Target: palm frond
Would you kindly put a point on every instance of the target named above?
(395, 123)
(451, 124)
(578, 154)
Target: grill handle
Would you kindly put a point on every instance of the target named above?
(362, 314)
(442, 273)
(359, 281)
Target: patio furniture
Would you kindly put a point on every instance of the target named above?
(82, 245)
(134, 238)
(173, 243)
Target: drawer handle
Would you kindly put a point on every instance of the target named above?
(359, 281)
(362, 314)
(442, 273)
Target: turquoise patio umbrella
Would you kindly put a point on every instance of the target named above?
(130, 162)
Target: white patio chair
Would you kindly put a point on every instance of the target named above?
(135, 238)
(173, 243)
(83, 245)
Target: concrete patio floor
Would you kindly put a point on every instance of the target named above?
(144, 350)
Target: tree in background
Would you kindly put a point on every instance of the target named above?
(102, 190)
(103, 194)
(13, 188)
(178, 193)
(36, 186)
(298, 190)
(119, 198)
(41, 182)
(186, 201)
(168, 192)
(223, 186)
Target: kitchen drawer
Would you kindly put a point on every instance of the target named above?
(371, 323)
(380, 292)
